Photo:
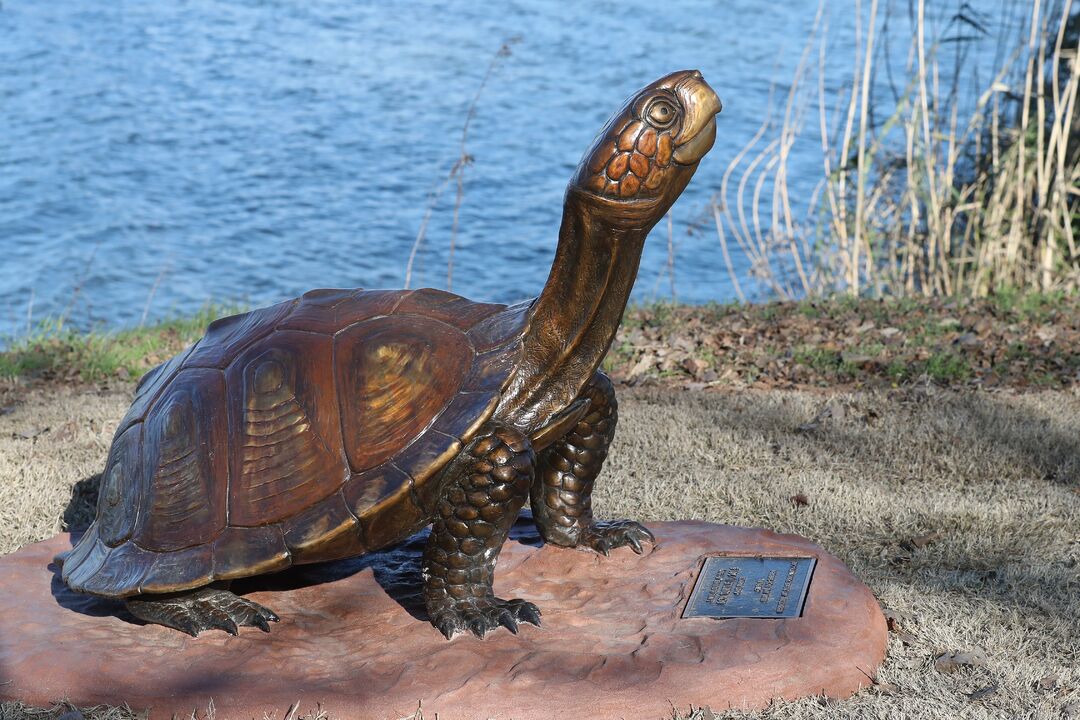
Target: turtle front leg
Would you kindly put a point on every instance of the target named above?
(488, 484)
(562, 491)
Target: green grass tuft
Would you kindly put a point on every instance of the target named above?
(55, 351)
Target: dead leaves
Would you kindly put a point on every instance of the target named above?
(920, 541)
(866, 343)
(950, 662)
(898, 622)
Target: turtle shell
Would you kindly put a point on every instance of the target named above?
(310, 430)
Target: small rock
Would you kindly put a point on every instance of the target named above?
(885, 688)
(1048, 682)
(800, 500)
(72, 715)
(889, 332)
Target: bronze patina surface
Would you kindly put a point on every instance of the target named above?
(343, 421)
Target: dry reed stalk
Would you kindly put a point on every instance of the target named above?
(931, 201)
(456, 173)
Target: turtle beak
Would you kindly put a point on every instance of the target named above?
(699, 126)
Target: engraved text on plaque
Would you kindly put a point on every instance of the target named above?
(758, 587)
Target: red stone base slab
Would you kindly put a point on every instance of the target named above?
(352, 638)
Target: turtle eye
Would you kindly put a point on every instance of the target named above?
(662, 113)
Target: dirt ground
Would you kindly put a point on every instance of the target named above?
(961, 510)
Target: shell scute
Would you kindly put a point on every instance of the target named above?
(123, 570)
(428, 454)
(373, 491)
(466, 413)
(190, 567)
(244, 551)
(330, 311)
(185, 501)
(283, 415)
(394, 377)
(324, 531)
(150, 388)
(228, 337)
(501, 328)
(83, 564)
(491, 371)
(446, 307)
(395, 520)
(122, 487)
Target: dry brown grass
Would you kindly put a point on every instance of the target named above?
(992, 479)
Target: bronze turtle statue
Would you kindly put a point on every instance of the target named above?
(344, 421)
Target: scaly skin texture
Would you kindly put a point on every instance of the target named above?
(562, 492)
(480, 501)
(203, 609)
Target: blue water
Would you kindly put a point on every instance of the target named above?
(158, 155)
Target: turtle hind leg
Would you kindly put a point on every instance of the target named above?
(488, 484)
(207, 608)
(562, 492)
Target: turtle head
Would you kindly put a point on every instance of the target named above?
(649, 149)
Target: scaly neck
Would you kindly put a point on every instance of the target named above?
(576, 316)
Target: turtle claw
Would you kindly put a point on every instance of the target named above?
(603, 537)
(222, 622)
(478, 627)
(204, 609)
(527, 612)
(482, 615)
(507, 620)
(447, 626)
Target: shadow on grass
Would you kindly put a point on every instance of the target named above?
(959, 442)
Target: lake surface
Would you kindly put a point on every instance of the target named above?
(158, 155)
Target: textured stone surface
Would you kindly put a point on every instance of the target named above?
(353, 638)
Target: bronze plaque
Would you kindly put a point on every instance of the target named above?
(751, 587)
